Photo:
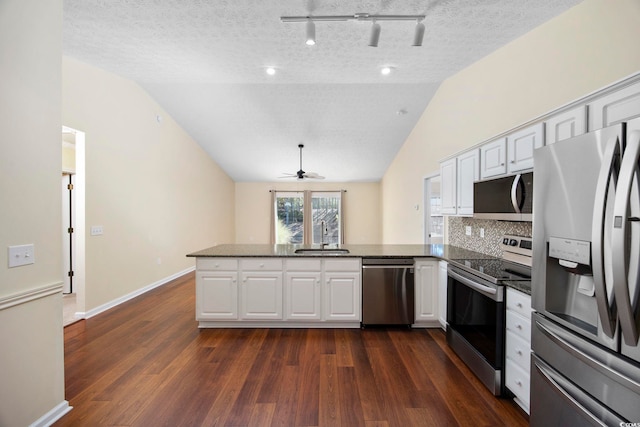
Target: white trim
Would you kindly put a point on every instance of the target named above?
(30, 295)
(53, 415)
(127, 297)
(205, 324)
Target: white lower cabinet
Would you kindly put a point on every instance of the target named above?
(518, 346)
(303, 290)
(426, 292)
(278, 292)
(217, 289)
(342, 290)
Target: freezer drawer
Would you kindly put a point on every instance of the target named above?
(603, 375)
(555, 401)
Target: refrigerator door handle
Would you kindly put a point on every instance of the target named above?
(607, 178)
(514, 193)
(563, 341)
(620, 244)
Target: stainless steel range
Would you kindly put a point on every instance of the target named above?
(476, 310)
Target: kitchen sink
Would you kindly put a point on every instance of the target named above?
(327, 251)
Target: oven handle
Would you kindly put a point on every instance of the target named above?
(485, 290)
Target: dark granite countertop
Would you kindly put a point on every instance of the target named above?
(523, 286)
(446, 252)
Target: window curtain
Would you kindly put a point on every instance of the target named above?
(273, 216)
(342, 211)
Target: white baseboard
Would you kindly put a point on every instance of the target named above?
(124, 298)
(53, 415)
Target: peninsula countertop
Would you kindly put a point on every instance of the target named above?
(440, 251)
(446, 252)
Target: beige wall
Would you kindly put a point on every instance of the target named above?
(157, 194)
(31, 340)
(582, 50)
(361, 209)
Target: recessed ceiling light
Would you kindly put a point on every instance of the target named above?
(386, 71)
(270, 70)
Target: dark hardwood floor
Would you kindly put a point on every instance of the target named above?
(145, 363)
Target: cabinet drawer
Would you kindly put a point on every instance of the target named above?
(258, 264)
(517, 380)
(227, 264)
(311, 265)
(519, 351)
(519, 302)
(519, 325)
(351, 264)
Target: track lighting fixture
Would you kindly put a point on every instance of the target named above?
(374, 37)
(419, 34)
(375, 34)
(311, 33)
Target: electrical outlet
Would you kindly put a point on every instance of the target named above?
(468, 230)
(97, 230)
(21, 255)
(482, 233)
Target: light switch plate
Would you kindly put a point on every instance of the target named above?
(21, 255)
(468, 230)
(97, 230)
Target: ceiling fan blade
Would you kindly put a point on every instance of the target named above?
(313, 175)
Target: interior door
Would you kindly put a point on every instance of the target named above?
(68, 247)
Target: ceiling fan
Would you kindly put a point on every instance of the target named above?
(302, 174)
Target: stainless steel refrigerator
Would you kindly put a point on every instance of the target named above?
(585, 367)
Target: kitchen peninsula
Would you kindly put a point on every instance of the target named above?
(304, 286)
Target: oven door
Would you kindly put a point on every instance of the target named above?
(475, 312)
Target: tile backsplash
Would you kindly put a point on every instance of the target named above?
(493, 232)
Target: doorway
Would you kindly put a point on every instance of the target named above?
(73, 224)
(433, 219)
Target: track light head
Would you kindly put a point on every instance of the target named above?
(418, 36)
(311, 33)
(375, 34)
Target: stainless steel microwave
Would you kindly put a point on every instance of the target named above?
(508, 199)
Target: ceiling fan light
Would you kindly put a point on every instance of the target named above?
(374, 37)
(311, 33)
(418, 36)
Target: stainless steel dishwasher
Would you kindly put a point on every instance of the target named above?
(387, 291)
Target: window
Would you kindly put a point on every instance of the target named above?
(307, 217)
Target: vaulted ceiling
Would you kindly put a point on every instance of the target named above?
(204, 62)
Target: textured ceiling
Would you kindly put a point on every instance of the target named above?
(204, 61)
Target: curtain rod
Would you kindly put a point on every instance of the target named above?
(300, 191)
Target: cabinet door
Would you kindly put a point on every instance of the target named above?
(302, 301)
(448, 187)
(426, 291)
(342, 301)
(616, 107)
(566, 125)
(216, 295)
(520, 146)
(468, 166)
(261, 295)
(493, 158)
(442, 294)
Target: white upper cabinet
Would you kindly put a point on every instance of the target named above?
(520, 146)
(448, 187)
(566, 125)
(457, 176)
(616, 107)
(493, 158)
(468, 173)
